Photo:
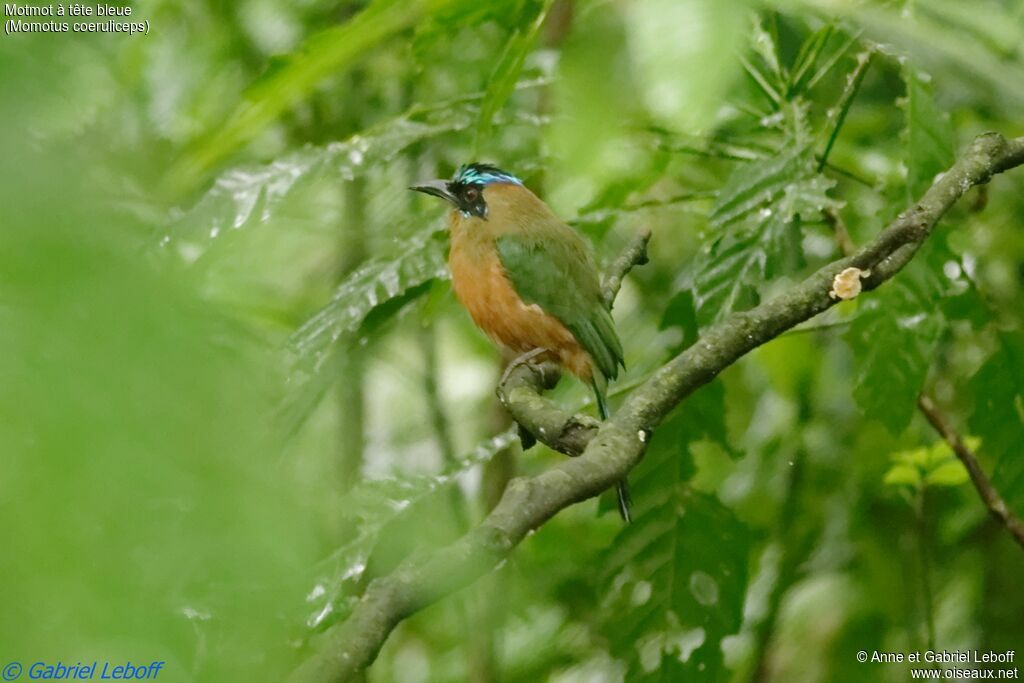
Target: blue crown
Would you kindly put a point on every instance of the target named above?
(482, 174)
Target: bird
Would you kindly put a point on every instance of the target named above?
(528, 280)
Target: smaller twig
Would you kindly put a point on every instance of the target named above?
(634, 255)
(988, 493)
(993, 501)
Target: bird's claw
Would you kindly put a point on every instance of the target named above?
(524, 359)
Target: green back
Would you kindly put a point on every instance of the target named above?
(553, 268)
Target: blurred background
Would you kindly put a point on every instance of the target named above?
(235, 385)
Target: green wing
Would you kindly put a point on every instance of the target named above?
(556, 271)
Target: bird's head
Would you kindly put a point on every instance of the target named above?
(466, 190)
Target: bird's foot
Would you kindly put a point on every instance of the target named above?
(527, 439)
(525, 359)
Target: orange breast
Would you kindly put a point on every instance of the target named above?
(480, 283)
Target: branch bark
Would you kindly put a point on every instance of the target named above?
(989, 495)
(609, 450)
(634, 255)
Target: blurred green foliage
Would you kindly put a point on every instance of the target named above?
(221, 409)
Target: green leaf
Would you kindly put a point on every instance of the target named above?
(293, 77)
(760, 210)
(766, 45)
(385, 520)
(837, 115)
(729, 276)
(416, 261)
(166, 517)
(935, 465)
(998, 417)
(503, 79)
(902, 474)
(895, 335)
(950, 473)
(928, 135)
(893, 340)
(756, 185)
(676, 578)
(682, 313)
(376, 285)
(807, 58)
(978, 64)
(248, 196)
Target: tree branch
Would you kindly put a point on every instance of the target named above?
(617, 445)
(634, 255)
(993, 501)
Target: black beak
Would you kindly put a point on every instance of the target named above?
(437, 188)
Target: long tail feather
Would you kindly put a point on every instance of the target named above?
(622, 488)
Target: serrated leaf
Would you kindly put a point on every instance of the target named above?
(928, 135)
(416, 261)
(729, 276)
(837, 115)
(998, 418)
(247, 196)
(760, 210)
(893, 341)
(676, 577)
(760, 247)
(980, 68)
(754, 186)
(893, 350)
(377, 285)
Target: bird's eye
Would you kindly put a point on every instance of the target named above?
(471, 194)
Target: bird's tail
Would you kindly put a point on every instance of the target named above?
(622, 488)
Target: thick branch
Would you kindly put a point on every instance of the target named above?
(618, 444)
(993, 501)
